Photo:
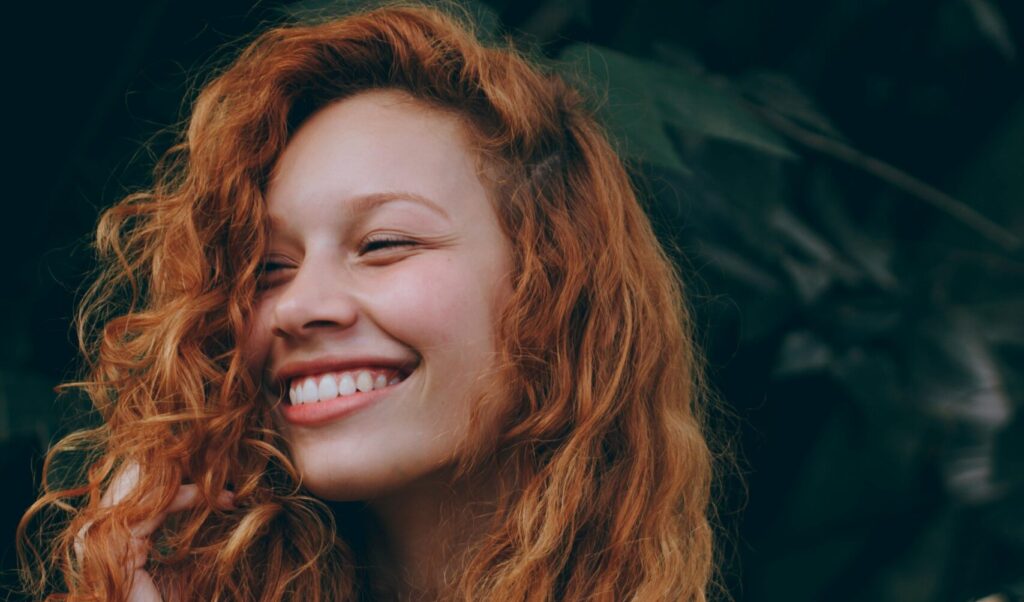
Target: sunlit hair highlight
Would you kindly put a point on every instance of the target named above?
(608, 469)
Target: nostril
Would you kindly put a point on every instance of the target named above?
(319, 324)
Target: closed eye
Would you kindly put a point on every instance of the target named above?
(384, 242)
(271, 266)
(270, 273)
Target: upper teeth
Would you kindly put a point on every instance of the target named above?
(311, 389)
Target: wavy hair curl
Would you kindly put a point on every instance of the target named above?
(604, 429)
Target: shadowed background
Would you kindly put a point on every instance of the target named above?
(842, 183)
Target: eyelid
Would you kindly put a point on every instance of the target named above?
(269, 274)
(384, 240)
(275, 261)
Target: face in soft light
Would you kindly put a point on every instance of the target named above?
(385, 256)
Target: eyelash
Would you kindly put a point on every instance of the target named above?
(384, 242)
(271, 266)
(265, 277)
(369, 246)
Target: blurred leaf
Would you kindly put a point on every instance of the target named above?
(871, 252)
(801, 236)
(872, 379)
(897, 178)
(316, 11)
(629, 104)
(677, 57)
(993, 178)
(642, 97)
(553, 16)
(1000, 320)
(964, 381)
(692, 104)
(811, 279)
(856, 320)
(779, 93)
(961, 383)
(802, 352)
(817, 263)
(992, 25)
(740, 270)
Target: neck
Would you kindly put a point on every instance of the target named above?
(427, 528)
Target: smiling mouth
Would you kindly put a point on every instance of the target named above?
(318, 388)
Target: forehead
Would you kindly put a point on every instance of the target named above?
(372, 143)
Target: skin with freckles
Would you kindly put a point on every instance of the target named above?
(384, 244)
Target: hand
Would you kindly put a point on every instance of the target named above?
(143, 588)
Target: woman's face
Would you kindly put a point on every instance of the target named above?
(385, 270)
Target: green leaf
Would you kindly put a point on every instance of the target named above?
(630, 105)
(992, 25)
(317, 11)
(782, 95)
(642, 97)
(802, 352)
(692, 104)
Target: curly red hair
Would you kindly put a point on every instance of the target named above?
(603, 429)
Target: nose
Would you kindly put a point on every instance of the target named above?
(316, 300)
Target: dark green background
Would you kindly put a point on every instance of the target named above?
(842, 183)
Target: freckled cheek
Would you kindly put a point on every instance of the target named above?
(432, 306)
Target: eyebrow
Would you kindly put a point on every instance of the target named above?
(367, 202)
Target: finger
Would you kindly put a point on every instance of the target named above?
(138, 547)
(79, 543)
(138, 553)
(143, 588)
(225, 500)
(122, 484)
(190, 496)
(187, 497)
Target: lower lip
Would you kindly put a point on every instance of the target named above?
(322, 412)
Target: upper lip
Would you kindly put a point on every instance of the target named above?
(291, 370)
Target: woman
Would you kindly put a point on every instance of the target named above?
(391, 325)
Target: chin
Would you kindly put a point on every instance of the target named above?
(332, 482)
(347, 490)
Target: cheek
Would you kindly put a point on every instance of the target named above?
(256, 346)
(437, 303)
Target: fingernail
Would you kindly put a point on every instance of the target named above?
(226, 499)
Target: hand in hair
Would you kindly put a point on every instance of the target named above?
(143, 588)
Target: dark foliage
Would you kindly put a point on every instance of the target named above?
(842, 184)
